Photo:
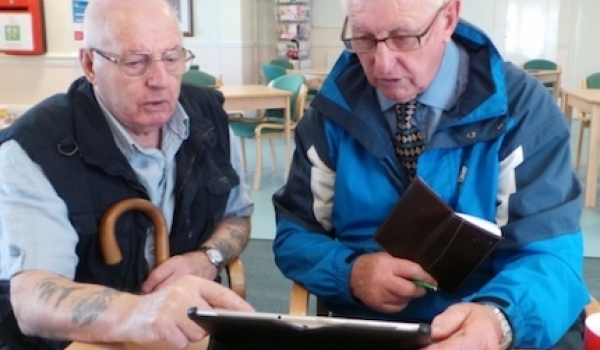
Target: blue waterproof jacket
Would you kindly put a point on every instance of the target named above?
(501, 153)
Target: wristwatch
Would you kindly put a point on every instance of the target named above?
(214, 256)
(507, 333)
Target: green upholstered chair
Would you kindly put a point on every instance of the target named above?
(271, 124)
(271, 71)
(197, 77)
(542, 64)
(282, 62)
(592, 81)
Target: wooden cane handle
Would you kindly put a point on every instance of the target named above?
(108, 241)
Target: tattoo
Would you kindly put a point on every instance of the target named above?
(238, 229)
(86, 307)
(49, 288)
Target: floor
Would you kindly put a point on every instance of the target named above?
(263, 223)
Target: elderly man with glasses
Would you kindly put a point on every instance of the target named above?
(128, 129)
(419, 93)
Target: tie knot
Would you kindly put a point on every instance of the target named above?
(407, 108)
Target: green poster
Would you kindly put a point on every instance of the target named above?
(12, 33)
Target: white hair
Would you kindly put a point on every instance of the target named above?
(434, 3)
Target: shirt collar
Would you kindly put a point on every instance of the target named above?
(178, 124)
(442, 90)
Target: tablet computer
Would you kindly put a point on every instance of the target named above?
(234, 330)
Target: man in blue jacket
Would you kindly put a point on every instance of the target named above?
(496, 147)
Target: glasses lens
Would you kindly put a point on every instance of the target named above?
(174, 61)
(363, 45)
(137, 64)
(402, 43)
(134, 64)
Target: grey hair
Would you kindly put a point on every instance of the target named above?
(434, 3)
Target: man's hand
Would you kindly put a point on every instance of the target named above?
(466, 326)
(162, 315)
(384, 283)
(51, 306)
(193, 263)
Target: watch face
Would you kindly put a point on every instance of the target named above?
(215, 256)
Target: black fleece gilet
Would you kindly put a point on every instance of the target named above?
(67, 135)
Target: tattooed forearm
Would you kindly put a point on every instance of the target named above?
(86, 306)
(235, 236)
(48, 288)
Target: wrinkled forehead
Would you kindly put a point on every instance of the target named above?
(135, 33)
(384, 16)
(125, 30)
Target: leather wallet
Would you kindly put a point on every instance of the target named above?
(448, 245)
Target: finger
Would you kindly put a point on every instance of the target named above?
(178, 339)
(449, 321)
(393, 307)
(403, 289)
(157, 276)
(219, 297)
(410, 270)
(192, 331)
(171, 279)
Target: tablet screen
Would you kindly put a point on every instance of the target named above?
(270, 331)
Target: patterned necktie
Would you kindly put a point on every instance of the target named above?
(409, 140)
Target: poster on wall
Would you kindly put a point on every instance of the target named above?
(16, 32)
(78, 11)
(183, 9)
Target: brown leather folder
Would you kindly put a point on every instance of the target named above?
(424, 229)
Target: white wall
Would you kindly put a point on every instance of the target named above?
(25, 79)
(224, 42)
(233, 37)
(579, 48)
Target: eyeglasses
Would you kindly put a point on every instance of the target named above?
(400, 43)
(137, 64)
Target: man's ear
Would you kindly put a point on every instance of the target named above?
(451, 17)
(86, 59)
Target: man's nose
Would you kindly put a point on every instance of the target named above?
(157, 72)
(384, 57)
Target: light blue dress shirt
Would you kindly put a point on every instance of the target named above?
(35, 231)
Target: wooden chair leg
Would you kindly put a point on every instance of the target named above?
(258, 162)
(582, 125)
(273, 154)
(243, 147)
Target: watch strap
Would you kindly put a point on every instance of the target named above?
(507, 334)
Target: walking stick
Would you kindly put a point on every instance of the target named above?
(112, 252)
(108, 241)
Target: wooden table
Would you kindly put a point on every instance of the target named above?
(130, 346)
(248, 97)
(587, 101)
(5, 118)
(548, 76)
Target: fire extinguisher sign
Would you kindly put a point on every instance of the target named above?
(15, 32)
(78, 11)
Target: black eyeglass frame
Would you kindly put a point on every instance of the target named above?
(188, 56)
(348, 41)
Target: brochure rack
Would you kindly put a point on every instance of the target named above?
(293, 31)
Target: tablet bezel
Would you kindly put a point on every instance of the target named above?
(245, 328)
